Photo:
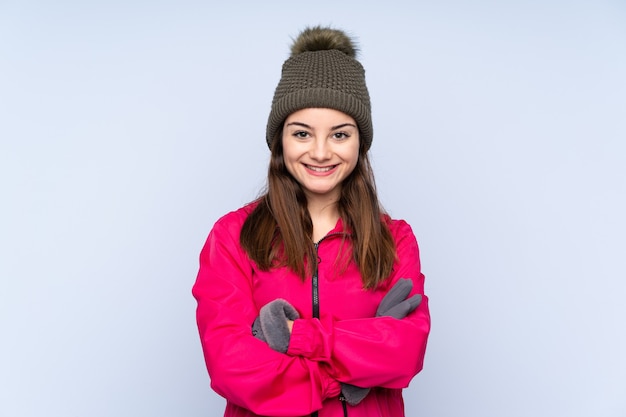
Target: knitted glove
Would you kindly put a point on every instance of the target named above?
(394, 305)
(271, 325)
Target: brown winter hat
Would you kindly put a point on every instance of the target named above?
(322, 72)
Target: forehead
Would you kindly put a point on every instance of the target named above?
(320, 116)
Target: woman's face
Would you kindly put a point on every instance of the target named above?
(320, 149)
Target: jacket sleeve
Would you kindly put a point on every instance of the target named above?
(243, 369)
(374, 352)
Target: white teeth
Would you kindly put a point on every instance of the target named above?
(319, 169)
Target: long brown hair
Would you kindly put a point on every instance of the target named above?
(279, 230)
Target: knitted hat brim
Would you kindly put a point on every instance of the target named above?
(320, 98)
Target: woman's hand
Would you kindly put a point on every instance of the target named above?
(275, 323)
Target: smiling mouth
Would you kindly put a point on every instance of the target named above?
(320, 169)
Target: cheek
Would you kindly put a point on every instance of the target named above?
(289, 157)
(290, 160)
(353, 156)
(287, 152)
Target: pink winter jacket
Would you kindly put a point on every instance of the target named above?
(346, 344)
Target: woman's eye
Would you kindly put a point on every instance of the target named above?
(341, 135)
(301, 134)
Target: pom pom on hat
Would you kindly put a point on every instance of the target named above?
(322, 72)
(320, 39)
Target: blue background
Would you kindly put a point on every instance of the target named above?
(128, 127)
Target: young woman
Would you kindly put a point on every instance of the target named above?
(310, 299)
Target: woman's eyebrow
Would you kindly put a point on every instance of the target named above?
(299, 124)
(343, 125)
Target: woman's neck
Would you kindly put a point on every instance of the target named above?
(324, 216)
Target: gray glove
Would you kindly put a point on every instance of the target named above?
(271, 325)
(394, 305)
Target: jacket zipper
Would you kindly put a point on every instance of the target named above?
(316, 311)
(316, 297)
(315, 284)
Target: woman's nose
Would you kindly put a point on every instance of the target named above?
(320, 149)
